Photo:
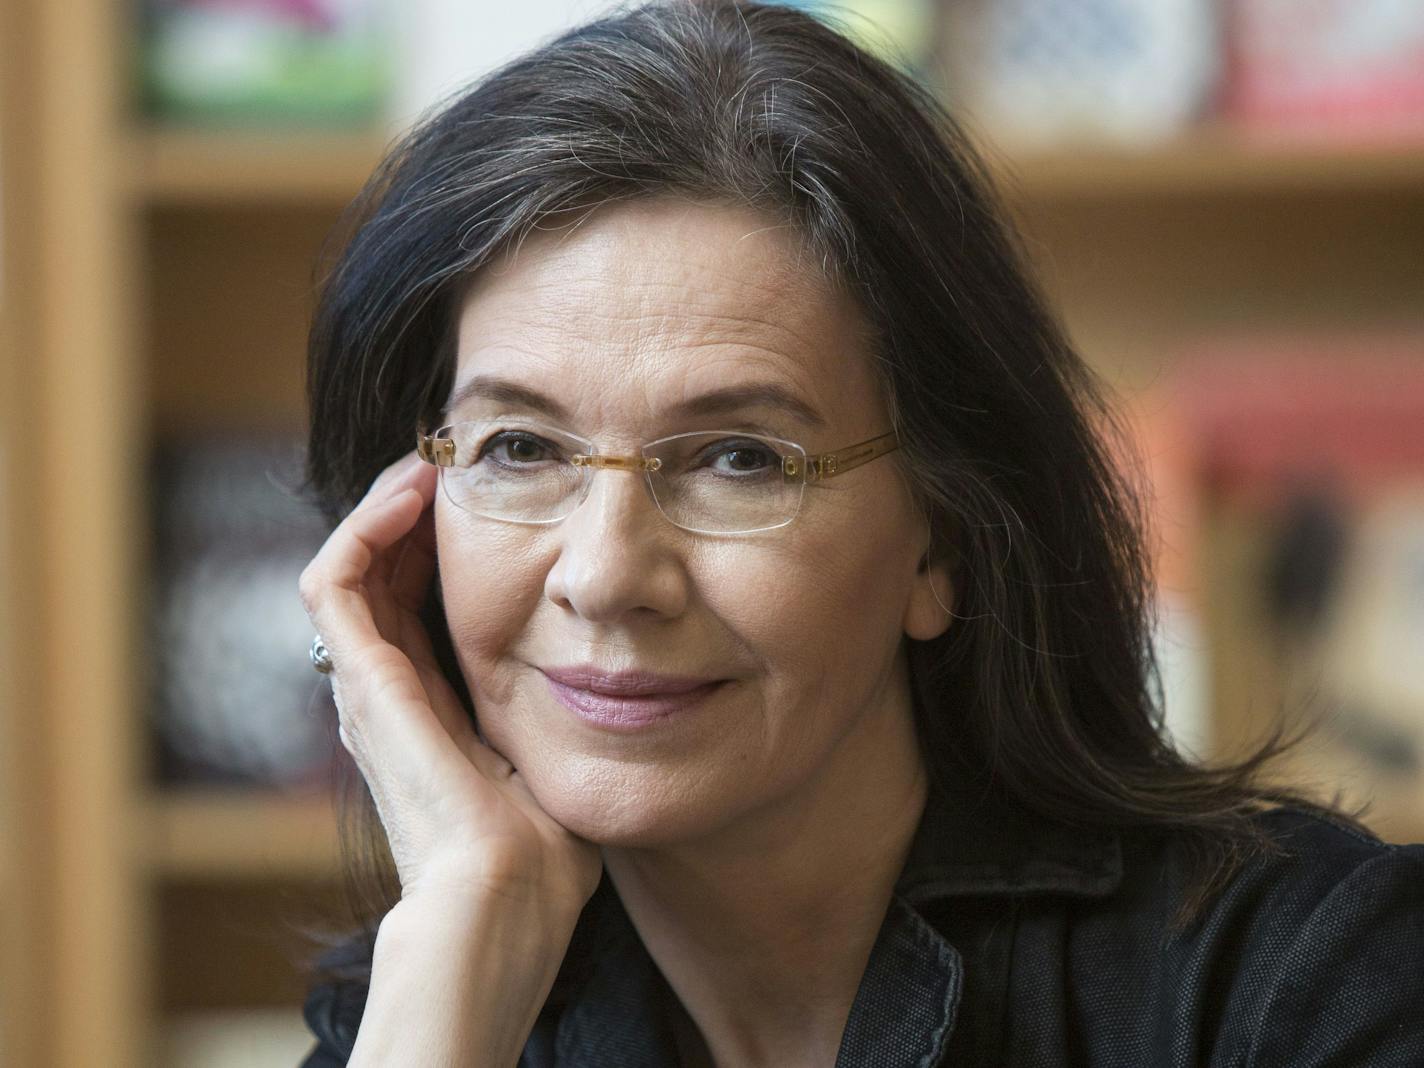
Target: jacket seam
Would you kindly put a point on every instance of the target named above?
(1320, 818)
(926, 934)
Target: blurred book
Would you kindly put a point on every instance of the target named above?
(901, 32)
(1270, 408)
(1346, 70)
(1039, 73)
(440, 47)
(235, 699)
(240, 62)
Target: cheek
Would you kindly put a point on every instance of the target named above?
(490, 590)
(841, 607)
(818, 614)
(841, 573)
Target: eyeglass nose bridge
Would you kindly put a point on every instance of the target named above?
(617, 463)
(588, 463)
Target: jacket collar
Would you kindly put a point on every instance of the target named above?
(972, 842)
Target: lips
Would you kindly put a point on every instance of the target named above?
(629, 700)
(626, 683)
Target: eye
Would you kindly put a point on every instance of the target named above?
(520, 449)
(744, 457)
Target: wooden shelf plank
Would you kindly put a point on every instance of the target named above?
(1211, 160)
(176, 166)
(198, 166)
(240, 834)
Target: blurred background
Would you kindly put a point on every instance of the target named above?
(1224, 199)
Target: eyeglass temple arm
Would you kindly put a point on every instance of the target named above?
(829, 464)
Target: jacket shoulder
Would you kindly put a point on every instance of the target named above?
(1317, 857)
(1346, 980)
(1312, 954)
(1321, 834)
(1311, 852)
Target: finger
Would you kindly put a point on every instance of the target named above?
(397, 609)
(405, 472)
(425, 480)
(386, 725)
(331, 585)
(394, 478)
(410, 577)
(396, 592)
(395, 469)
(409, 744)
(380, 697)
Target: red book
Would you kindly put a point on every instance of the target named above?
(1350, 70)
(1263, 412)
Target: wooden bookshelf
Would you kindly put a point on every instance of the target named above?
(161, 280)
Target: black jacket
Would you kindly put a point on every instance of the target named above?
(1010, 942)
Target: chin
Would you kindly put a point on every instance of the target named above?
(609, 807)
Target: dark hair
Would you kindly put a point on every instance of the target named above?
(1047, 678)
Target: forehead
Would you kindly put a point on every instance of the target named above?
(670, 297)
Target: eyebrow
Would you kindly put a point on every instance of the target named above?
(717, 402)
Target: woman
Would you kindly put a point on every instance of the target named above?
(783, 693)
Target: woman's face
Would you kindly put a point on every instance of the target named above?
(641, 307)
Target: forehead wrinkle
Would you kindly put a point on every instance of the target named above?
(780, 334)
(659, 365)
(646, 335)
(686, 320)
(737, 357)
(590, 271)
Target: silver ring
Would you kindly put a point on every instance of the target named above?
(320, 658)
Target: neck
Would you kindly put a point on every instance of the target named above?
(763, 930)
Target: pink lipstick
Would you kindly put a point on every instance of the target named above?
(624, 701)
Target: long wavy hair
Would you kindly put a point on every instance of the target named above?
(1047, 679)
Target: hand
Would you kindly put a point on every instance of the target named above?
(459, 818)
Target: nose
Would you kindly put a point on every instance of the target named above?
(617, 553)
